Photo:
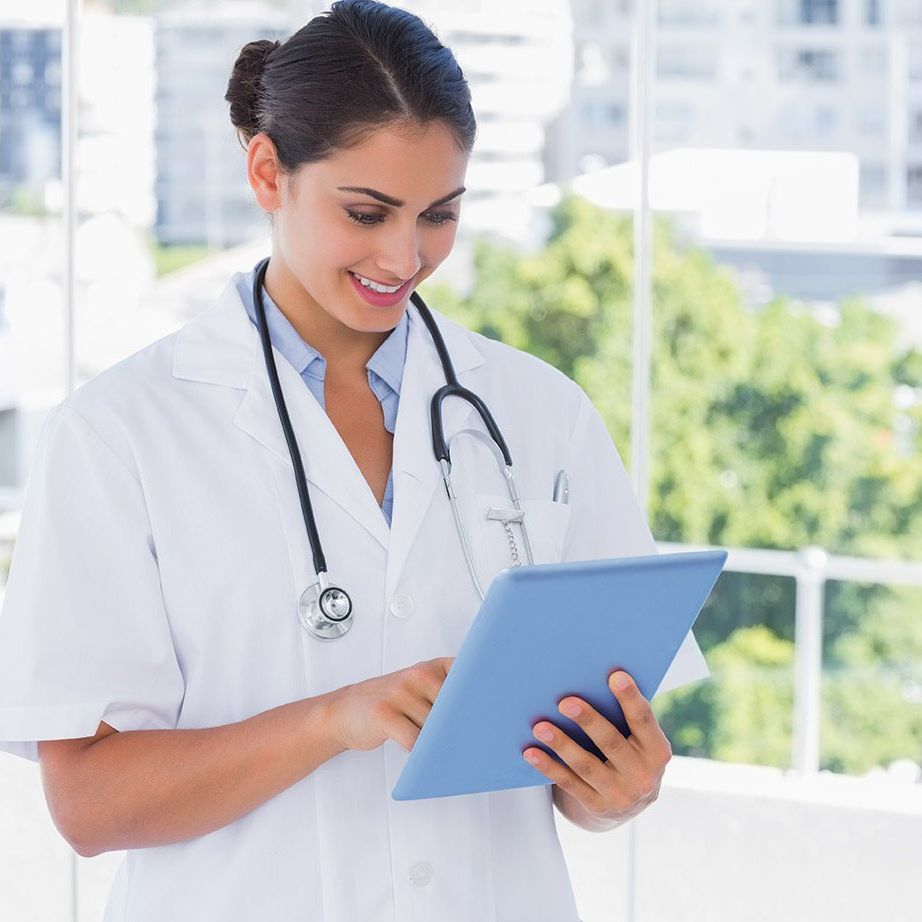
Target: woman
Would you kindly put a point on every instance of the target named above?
(151, 653)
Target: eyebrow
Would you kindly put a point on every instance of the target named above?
(396, 202)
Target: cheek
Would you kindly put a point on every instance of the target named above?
(439, 245)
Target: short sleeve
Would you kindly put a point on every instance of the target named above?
(606, 520)
(84, 635)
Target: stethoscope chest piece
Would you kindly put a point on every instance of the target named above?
(325, 611)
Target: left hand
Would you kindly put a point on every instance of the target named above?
(629, 779)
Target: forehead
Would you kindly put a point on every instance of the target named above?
(418, 165)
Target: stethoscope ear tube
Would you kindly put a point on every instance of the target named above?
(453, 389)
(439, 445)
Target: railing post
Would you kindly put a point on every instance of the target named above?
(808, 657)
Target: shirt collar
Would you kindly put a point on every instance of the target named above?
(387, 362)
(282, 334)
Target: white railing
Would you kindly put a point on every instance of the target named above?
(811, 568)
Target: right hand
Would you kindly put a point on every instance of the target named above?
(392, 706)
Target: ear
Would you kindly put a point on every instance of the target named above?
(263, 172)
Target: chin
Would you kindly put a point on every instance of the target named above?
(375, 320)
(384, 321)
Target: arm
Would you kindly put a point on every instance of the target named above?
(143, 788)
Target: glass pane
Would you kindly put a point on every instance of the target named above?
(746, 632)
(872, 680)
(35, 863)
(32, 357)
(787, 378)
(547, 273)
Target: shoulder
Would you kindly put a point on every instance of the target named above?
(106, 408)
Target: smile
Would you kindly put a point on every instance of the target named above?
(377, 286)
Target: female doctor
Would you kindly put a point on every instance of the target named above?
(156, 654)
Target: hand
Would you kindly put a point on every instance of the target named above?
(392, 706)
(629, 779)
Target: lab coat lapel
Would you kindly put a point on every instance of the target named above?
(417, 475)
(328, 465)
(222, 346)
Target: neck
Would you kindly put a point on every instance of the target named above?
(344, 349)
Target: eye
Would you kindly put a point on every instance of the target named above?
(440, 217)
(436, 218)
(366, 220)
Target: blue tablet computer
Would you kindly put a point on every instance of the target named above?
(542, 633)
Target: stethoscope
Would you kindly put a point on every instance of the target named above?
(326, 611)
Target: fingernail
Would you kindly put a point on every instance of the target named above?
(531, 756)
(570, 708)
(543, 733)
(621, 681)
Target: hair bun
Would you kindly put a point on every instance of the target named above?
(243, 88)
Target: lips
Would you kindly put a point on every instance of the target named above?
(377, 298)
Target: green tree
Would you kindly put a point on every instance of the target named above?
(770, 428)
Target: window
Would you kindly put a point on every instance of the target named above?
(826, 120)
(871, 122)
(915, 126)
(808, 65)
(682, 13)
(808, 12)
(871, 61)
(915, 62)
(873, 184)
(914, 185)
(687, 62)
(824, 12)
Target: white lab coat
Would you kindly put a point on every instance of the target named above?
(155, 581)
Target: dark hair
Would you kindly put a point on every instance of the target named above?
(350, 71)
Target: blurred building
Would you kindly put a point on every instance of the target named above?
(517, 59)
(30, 109)
(821, 75)
(201, 189)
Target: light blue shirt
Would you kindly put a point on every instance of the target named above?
(385, 367)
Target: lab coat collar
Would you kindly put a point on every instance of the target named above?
(221, 346)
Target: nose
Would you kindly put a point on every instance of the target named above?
(400, 257)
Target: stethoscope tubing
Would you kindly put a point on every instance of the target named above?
(307, 509)
(318, 621)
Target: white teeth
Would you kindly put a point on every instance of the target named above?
(374, 286)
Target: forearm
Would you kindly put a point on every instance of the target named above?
(577, 814)
(155, 787)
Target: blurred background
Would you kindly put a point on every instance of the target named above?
(706, 212)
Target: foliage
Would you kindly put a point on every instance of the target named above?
(744, 713)
(171, 258)
(771, 427)
(25, 201)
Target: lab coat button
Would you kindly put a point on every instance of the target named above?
(421, 873)
(401, 605)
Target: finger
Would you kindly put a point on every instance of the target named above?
(403, 731)
(585, 765)
(600, 730)
(639, 715)
(562, 775)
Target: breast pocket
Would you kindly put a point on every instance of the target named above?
(498, 546)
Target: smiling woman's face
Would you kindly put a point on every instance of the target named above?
(329, 225)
